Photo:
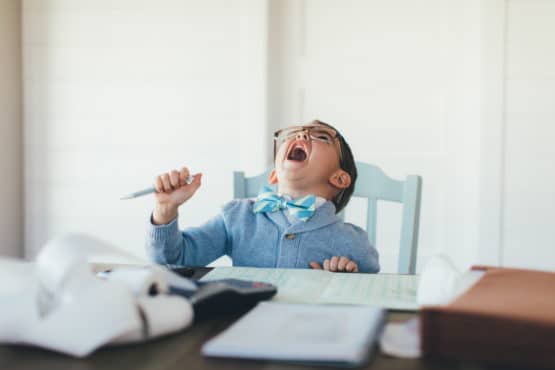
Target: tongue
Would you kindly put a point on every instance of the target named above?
(298, 155)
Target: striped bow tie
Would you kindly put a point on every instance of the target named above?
(268, 201)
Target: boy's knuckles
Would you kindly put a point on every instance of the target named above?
(166, 183)
(174, 179)
(158, 184)
(333, 263)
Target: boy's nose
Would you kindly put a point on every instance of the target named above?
(302, 135)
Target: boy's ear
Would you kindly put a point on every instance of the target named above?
(340, 179)
(272, 179)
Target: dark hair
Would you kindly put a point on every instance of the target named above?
(347, 164)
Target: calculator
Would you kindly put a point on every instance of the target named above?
(225, 296)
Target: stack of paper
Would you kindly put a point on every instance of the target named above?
(324, 334)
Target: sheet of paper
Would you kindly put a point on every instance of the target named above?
(402, 339)
(391, 291)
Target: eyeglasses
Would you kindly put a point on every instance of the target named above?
(318, 133)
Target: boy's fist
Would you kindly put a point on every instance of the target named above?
(172, 191)
(336, 264)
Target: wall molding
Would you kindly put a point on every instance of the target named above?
(11, 119)
(253, 65)
(492, 147)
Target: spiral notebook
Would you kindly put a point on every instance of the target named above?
(338, 335)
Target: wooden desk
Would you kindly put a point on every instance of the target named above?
(182, 351)
(179, 351)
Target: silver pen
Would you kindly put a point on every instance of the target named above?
(150, 190)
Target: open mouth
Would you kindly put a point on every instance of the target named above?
(297, 153)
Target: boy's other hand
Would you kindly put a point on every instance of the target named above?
(172, 191)
(336, 264)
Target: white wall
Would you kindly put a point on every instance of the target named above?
(11, 201)
(401, 80)
(119, 91)
(528, 231)
(517, 179)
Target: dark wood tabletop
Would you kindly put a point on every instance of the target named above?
(181, 351)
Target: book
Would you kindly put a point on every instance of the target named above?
(391, 291)
(507, 317)
(336, 335)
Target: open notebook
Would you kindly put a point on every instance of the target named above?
(392, 291)
(330, 334)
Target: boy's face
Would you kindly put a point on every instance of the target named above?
(307, 155)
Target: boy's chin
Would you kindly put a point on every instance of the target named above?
(295, 172)
(294, 165)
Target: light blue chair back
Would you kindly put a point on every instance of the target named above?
(248, 187)
(374, 185)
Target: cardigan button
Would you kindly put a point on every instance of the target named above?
(290, 236)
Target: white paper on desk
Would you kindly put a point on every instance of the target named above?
(141, 281)
(441, 282)
(392, 291)
(401, 339)
(58, 303)
(336, 334)
(164, 314)
(78, 325)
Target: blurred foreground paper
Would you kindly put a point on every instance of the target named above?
(58, 303)
(338, 335)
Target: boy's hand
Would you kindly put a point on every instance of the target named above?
(336, 264)
(172, 191)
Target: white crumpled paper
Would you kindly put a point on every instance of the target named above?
(58, 303)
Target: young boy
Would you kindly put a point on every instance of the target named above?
(315, 174)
